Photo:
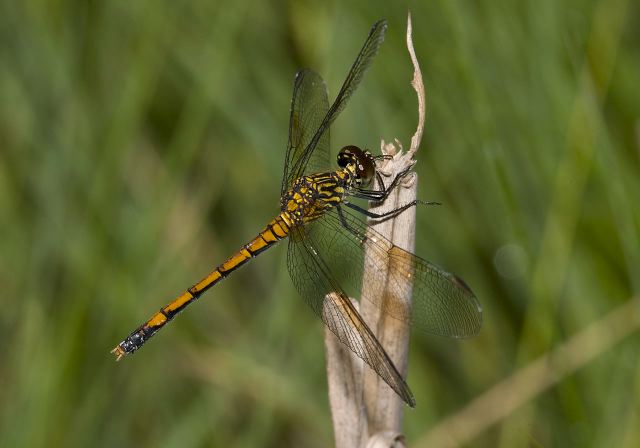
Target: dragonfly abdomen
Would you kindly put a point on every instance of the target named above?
(276, 230)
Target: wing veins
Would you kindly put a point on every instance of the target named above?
(442, 303)
(356, 72)
(339, 314)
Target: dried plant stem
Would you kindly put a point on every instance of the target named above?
(365, 410)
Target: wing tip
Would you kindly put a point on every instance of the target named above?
(462, 284)
(381, 23)
(474, 301)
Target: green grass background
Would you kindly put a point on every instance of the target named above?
(142, 142)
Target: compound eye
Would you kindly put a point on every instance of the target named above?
(366, 170)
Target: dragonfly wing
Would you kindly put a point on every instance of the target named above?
(309, 106)
(298, 162)
(368, 51)
(315, 282)
(442, 304)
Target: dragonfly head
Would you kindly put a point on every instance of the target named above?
(361, 164)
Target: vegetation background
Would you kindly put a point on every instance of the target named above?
(142, 142)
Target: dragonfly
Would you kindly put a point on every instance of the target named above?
(330, 238)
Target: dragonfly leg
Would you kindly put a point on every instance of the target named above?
(382, 194)
(346, 225)
(390, 213)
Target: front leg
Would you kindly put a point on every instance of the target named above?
(390, 213)
(384, 192)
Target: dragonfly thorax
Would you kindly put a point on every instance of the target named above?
(311, 196)
(360, 163)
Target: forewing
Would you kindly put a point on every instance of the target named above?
(302, 164)
(442, 304)
(309, 107)
(359, 67)
(315, 282)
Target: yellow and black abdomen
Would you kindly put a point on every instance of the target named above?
(276, 230)
(308, 199)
